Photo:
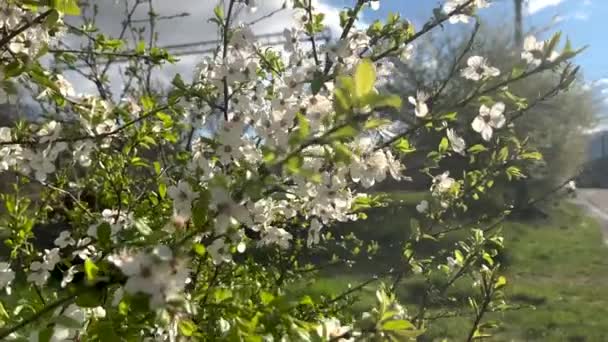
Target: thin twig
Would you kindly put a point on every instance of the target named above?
(315, 55)
(91, 137)
(226, 38)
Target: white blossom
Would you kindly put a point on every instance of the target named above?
(533, 51)
(421, 109)
(68, 276)
(160, 275)
(451, 6)
(229, 212)
(219, 251)
(422, 207)
(489, 119)
(49, 132)
(182, 195)
(314, 232)
(118, 220)
(7, 275)
(64, 239)
(571, 186)
(478, 69)
(5, 134)
(458, 144)
(64, 86)
(84, 248)
(332, 329)
(406, 53)
(39, 271)
(106, 127)
(443, 183)
(276, 236)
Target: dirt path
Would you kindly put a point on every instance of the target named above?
(595, 201)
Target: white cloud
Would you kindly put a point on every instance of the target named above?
(192, 28)
(535, 6)
(601, 82)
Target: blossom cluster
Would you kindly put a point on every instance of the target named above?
(292, 142)
(158, 274)
(263, 116)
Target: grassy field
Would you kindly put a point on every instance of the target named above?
(558, 265)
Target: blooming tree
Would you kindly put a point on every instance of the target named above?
(195, 236)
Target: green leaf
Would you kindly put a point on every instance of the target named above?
(500, 282)
(503, 154)
(342, 153)
(266, 297)
(552, 43)
(199, 249)
(302, 132)
(488, 258)
(342, 103)
(106, 332)
(222, 294)
(67, 7)
(477, 149)
(517, 72)
(157, 168)
(403, 145)
(142, 226)
(514, 172)
(294, 164)
(478, 335)
(104, 232)
(219, 12)
(3, 314)
(397, 325)
(452, 116)
(178, 82)
(147, 103)
(90, 270)
(307, 300)
(51, 19)
(162, 190)
(187, 327)
(365, 78)
(200, 209)
(165, 118)
(376, 122)
(343, 132)
(377, 100)
(316, 84)
(46, 334)
(531, 156)
(140, 48)
(459, 256)
(444, 145)
(16, 68)
(268, 155)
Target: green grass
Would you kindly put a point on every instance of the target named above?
(558, 265)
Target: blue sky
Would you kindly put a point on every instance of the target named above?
(585, 22)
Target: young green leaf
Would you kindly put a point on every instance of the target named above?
(365, 78)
